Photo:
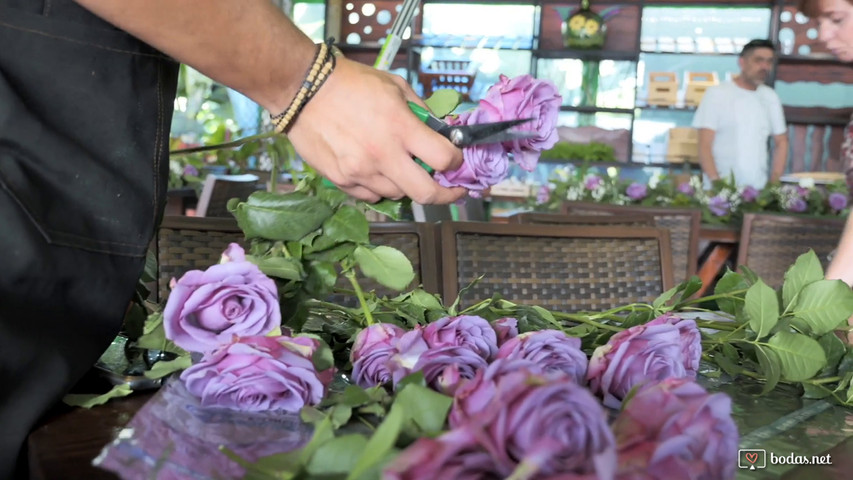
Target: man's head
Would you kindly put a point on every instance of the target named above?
(756, 61)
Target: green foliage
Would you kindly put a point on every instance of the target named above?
(590, 152)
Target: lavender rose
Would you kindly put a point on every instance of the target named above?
(749, 194)
(454, 455)
(444, 368)
(505, 328)
(472, 332)
(675, 429)
(472, 397)
(543, 195)
(837, 201)
(690, 340)
(407, 351)
(550, 424)
(207, 308)
(552, 350)
(482, 166)
(371, 353)
(644, 353)
(258, 373)
(636, 191)
(524, 97)
(719, 206)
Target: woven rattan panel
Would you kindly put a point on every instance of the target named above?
(679, 240)
(408, 243)
(181, 250)
(774, 246)
(565, 274)
(225, 191)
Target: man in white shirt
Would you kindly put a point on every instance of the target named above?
(736, 118)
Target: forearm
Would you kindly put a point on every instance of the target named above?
(780, 157)
(706, 154)
(842, 262)
(249, 45)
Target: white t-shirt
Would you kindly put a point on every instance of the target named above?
(742, 120)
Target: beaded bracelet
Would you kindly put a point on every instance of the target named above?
(320, 69)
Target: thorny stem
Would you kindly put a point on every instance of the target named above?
(587, 320)
(730, 295)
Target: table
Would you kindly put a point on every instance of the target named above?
(178, 200)
(722, 246)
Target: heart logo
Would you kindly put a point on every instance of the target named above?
(751, 457)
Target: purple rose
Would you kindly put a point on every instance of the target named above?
(552, 350)
(719, 206)
(473, 397)
(675, 429)
(690, 339)
(549, 423)
(454, 455)
(505, 328)
(524, 97)
(472, 332)
(591, 182)
(207, 308)
(797, 205)
(258, 373)
(686, 188)
(749, 194)
(407, 351)
(234, 253)
(371, 354)
(644, 353)
(444, 368)
(543, 195)
(636, 191)
(483, 166)
(837, 201)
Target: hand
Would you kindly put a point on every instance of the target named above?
(359, 133)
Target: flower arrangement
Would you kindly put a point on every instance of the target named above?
(722, 203)
(411, 387)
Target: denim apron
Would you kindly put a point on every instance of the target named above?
(84, 131)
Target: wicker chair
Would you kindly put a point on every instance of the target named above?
(770, 243)
(562, 267)
(218, 190)
(417, 241)
(190, 243)
(682, 223)
(557, 219)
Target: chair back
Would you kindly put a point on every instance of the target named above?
(219, 189)
(561, 267)
(191, 243)
(637, 220)
(770, 243)
(683, 225)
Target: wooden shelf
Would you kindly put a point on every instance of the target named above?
(808, 59)
(569, 53)
(588, 109)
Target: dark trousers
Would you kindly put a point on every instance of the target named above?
(84, 127)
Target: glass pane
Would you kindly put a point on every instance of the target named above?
(724, 66)
(651, 133)
(310, 17)
(702, 29)
(455, 20)
(489, 65)
(612, 84)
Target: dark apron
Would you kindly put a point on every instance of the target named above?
(84, 132)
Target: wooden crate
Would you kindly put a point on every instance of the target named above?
(663, 88)
(695, 85)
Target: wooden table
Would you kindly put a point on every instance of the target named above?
(722, 243)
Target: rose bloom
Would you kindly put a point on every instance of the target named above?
(407, 351)
(636, 191)
(371, 353)
(505, 328)
(645, 353)
(259, 373)
(719, 206)
(552, 350)
(524, 97)
(454, 455)
(472, 397)
(483, 166)
(470, 331)
(549, 423)
(207, 308)
(749, 194)
(445, 368)
(675, 429)
(543, 195)
(837, 201)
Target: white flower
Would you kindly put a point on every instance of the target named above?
(612, 172)
(807, 182)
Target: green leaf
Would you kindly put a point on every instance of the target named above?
(337, 456)
(340, 415)
(425, 299)
(334, 254)
(381, 442)
(332, 196)
(815, 391)
(771, 367)
(280, 267)
(845, 367)
(691, 286)
(354, 396)
(89, 401)
(386, 265)
(389, 208)
(729, 282)
(280, 217)
(762, 308)
(800, 357)
(347, 225)
(805, 270)
(749, 275)
(322, 357)
(163, 368)
(428, 408)
(665, 297)
(442, 102)
(730, 367)
(580, 331)
(822, 306)
(834, 349)
(322, 276)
